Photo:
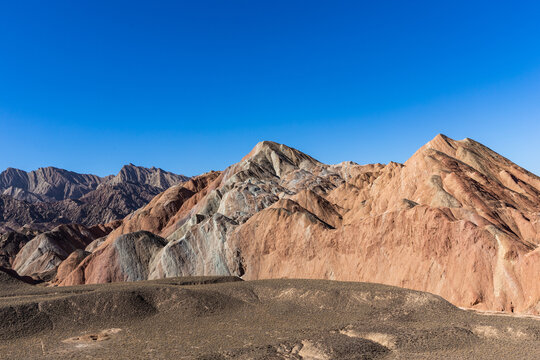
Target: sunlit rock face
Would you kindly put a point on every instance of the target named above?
(40, 256)
(456, 219)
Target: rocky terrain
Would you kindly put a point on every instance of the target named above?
(46, 184)
(40, 256)
(456, 219)
(223, 318)
(47, 197)
(49, 214)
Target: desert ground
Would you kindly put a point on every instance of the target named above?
(226, 318)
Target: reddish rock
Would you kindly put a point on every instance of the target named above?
(70, 263)
(41, 256)
(456, 219)
(157, 217)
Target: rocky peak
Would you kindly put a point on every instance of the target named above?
(269, 158)
(150, 176)
(456, 219)
(46, 184)
(270, 150)
(479, 162)
(13, 177)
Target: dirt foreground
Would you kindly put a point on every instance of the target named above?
(225, 318)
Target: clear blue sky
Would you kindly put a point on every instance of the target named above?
(193, 86)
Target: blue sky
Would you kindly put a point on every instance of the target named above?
(193, 86)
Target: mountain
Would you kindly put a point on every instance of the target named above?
(10, 244)
(46, 184)
(40, 256)
(154, 177)
(47, 197)
(15, 214)
(456, 219)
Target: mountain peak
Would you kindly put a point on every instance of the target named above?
(277, 158)
(11, 169)
(150, 176)
(484, 160)
(442, 143)
(262, 146)
(266, 148)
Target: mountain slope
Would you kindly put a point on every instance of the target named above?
(40, 256)
(456, 219)
(47, 197)
(155, 177)
(46, 184)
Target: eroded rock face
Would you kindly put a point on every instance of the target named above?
(10, 244)
(47, 197)
(127, 258)
(70, 263)
(456, 219)
(46, 184)
(41, 256)
(161, 215)
(155, 177)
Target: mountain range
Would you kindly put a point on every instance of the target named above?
(44, 198)
(456, 219)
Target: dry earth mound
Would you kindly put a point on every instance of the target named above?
(223, 318)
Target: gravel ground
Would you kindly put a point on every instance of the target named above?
(224, 318)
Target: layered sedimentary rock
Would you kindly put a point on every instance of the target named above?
(162, 213)
(46, 184)
(10, 245)
(155, 177)
(47, 197)
(16, 214)
(456, 219)
(41, 256)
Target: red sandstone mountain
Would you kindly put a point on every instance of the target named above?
(456, 219)
(47, 214)
(40, 256)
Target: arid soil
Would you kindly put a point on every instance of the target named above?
(225, 318)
